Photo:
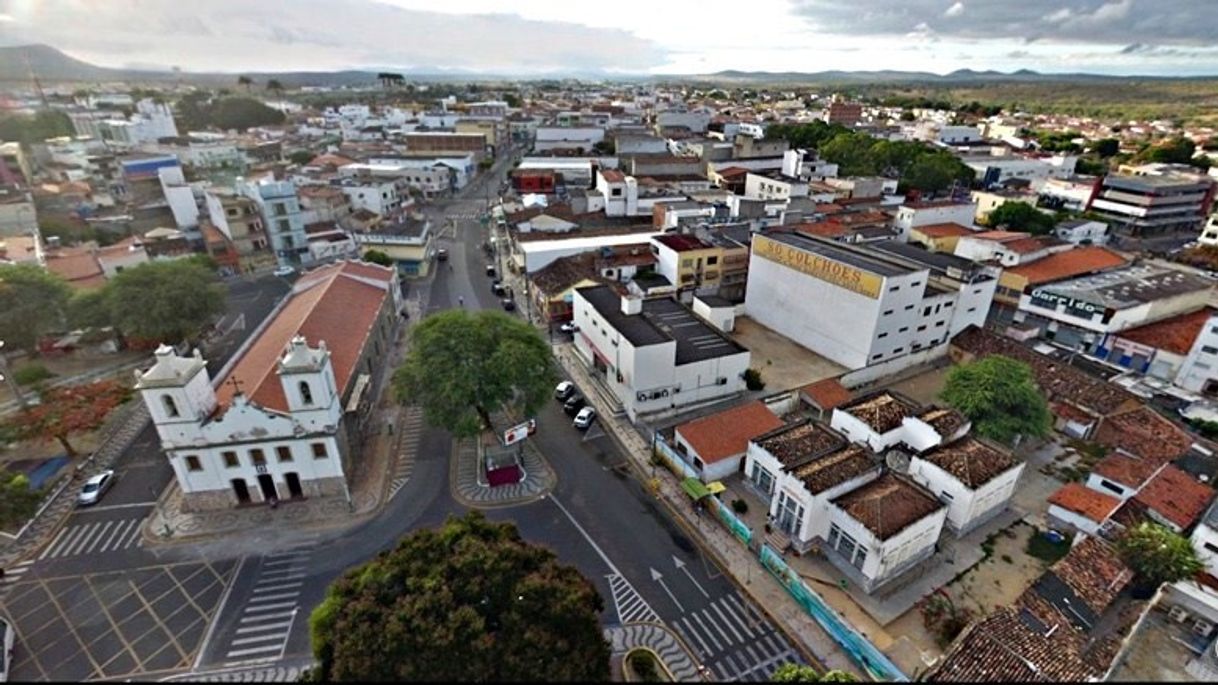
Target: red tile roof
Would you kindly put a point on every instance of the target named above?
(78, 267)
(970, 461)
(1143, 433)
(1175, 335)
(1025, 245)
(719, 436)
(1125, 470)
(1001, 236)
(1067, 264)
(827, 394)
(1094, 571)
(1176, 496)
(613, 175)
(681, 243)
(1085, 502)
(888, 505)
(335, 304)
(822, 229)
(943, 230)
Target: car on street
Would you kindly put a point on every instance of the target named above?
(95, 487)
(564, 390)
(7, 637)
(573, 404)
(442, 255)
(490, 270)
(584, 418)
(509, 305)
(498, 288)
(284, 270)
(568, 327)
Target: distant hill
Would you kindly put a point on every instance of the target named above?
(958, 77)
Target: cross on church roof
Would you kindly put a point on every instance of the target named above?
(232, 380)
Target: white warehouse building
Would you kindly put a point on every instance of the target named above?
(863, 305)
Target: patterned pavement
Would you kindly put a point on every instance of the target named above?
(410, 426)
(660, 640)
(468, 481)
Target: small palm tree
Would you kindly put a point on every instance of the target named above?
(245, 81)
(274, 86)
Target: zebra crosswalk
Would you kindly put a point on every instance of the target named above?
(631, 607)
(12, 575)
(411, 427)
(467, 216)
(96, 537)
(734, 640)
(267, 618)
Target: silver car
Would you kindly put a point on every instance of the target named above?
(95, 487)
(6, 649)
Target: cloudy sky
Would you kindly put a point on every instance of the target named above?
(1162, 37)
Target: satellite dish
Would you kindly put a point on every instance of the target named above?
(897, 461)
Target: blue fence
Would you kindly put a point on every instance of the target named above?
(742, 532)
(859, 648)
(673, 460)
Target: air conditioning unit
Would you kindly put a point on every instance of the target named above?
(1202, 627)
(1177, 614)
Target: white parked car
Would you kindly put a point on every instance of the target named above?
(284, 270)
(568, 327)
(7, 636)
(564, 390)
(95, 487)
(584, 418)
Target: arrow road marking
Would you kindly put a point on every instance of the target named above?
(681, 566)
(657, 577)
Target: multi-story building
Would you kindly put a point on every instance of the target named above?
(282, 217)
(773, 185)
(913, 214)
(446, 143)
(320, 203)
(240, 220)
(1199, 372)
(1209, 234)
(848, 114)
(1152, 205)
(654, 355)
(288, 419)
(407, 241)
(859, 305)
(688, 262)
(379, 197)
(18, 216)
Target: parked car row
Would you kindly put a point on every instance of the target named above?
(574, 404)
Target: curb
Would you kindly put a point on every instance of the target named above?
(454, 471)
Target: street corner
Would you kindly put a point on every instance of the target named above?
(479, 486)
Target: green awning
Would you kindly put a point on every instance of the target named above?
(694, 488)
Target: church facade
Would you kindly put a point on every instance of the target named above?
(289, 417)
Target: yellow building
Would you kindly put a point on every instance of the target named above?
(487, 127)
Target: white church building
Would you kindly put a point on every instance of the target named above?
(287, 419)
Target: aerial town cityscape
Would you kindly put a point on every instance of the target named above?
(560, 352)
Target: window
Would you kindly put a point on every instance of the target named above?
(319, 450)
(712, 260)
(945, 496)
(230, 459)
(1211, 548)
(894, 288)
(903, 329)
(972, 309)
(1109, 485)
(306, 393)
(257, 457)
(283, 453)
(899, 350)
(860, 558)
(938, 323)
(1209, 350)
(922, 327)
(193, 464)
(926, 312)
(947, 305)
(908, 307)
(171, 407)
(876, 356)
(882, 335)
(887, 312)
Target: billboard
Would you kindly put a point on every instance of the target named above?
(817, 266)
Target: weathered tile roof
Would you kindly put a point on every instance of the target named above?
(1094, 572)
(888, 505)
(881, 411)
(1085, 502)
(800, 442)
(1176, 496)
(1175, 335)
(835, 468)
(827, 394)
(1125, 469)
(945, 420)
(970, 461)
(1142, 432)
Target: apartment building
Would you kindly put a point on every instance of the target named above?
(1149, 205)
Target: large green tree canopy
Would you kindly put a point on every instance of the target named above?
(462, 366)
(32, 302)
(1021, 216)
(470, 602)
(1000, 396)
(1159, 555)
(163, 301)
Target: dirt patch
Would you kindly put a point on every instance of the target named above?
(924, 387)
(995, 582)
(783, 363)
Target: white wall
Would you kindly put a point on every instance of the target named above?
(888, 558)
(910, 217)
(966, 508)
(1096, 482)
(1201, 365)
(1205, 541)
(1073, 520)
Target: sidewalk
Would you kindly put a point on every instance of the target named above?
(745, 570)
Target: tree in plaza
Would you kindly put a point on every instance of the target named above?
(164, 301)
(464, 365)
(18, 500)
(799, 673)
(69, 410)
(1158, 555)
(469, 602)
(1000, 396)
(32, 302)
(378, 257)
(932, 172)
(852, 153)
(1021, 216)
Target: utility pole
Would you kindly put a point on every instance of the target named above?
(7, 377)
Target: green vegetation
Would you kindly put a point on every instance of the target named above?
(943, 618)
(1059, 141)
(378, 257)
(18, 501)
(199, 111)
(33, 302)
(300, 157)
(31, 374)
(811, 135)
(643, 664)
(752, 380)
(464, 365)
(156, 301)
(469, 602)
(1021, 216)
(1000, 396)
(1207, 428)
(740, 506)
(917, 165)
(29, 129)
(1158, 555)
(795, 673)
(1045, 549)
(1106, 147)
